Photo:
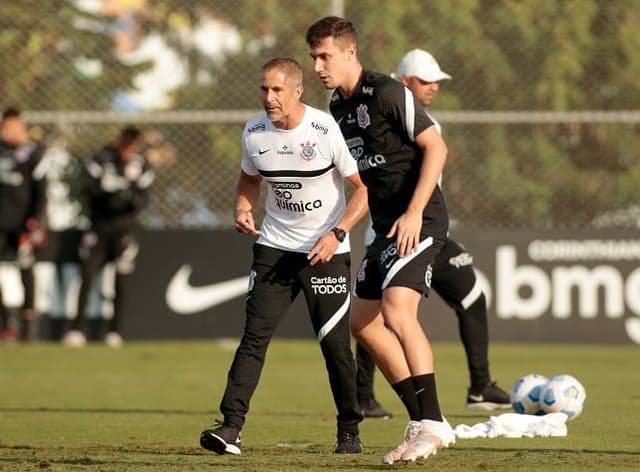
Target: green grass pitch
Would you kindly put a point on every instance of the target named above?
(141, 408)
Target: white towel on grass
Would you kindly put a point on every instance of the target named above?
(515, 425)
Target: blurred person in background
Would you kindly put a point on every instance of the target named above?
(117, 180)
(453, 276)
(22, 213)
(302, 246)
(400, 156)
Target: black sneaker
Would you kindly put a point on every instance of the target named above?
(225, 439)
(372, 409)
(491, 397)
(348, 443)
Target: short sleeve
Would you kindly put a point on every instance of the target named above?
(246, 163)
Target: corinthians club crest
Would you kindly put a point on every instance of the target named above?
(364, 119)
(308, 151)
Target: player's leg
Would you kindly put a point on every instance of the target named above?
(365, 369)
(7, 332)
(93, 255)
(369, 329)
(27, 311)
(455, 281)
(405, 280)
(327, 292)
(126, 251)
(26, 259)
(271, 291)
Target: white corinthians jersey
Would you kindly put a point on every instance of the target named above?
(304, 169)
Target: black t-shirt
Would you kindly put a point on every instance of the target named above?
(22, 185)
(379, 123)
(117, 190)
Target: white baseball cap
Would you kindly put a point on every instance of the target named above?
(419, 63)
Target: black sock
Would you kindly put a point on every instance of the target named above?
(407, 393)
(427, 397)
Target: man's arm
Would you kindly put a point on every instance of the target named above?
(357, 207)
(407, 227)
(246, 197)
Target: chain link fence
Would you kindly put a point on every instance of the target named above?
(541, 117)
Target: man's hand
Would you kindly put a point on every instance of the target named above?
(244, 223)
(36, 233)
(324, 249)
(407, 232)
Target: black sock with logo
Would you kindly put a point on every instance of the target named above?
(427, 397)
(407, 393)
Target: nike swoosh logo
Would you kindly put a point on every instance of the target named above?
(185, 299)
(476, 398)
(340, 119)
(262, 151)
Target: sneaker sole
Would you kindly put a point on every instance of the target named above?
(218, 445)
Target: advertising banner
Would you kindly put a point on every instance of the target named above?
(542, 286)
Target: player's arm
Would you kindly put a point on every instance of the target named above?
(246, 197)
(36, 223)
(141, 186)
(407, 227)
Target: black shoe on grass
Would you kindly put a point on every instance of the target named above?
(491, 397)
(225, 439)
(348, 443)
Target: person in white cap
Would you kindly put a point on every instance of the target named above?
(453, 276)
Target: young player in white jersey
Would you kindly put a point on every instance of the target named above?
(302, 246)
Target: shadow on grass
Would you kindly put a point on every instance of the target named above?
(126, 411)
(316, 457)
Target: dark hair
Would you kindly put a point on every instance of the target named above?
(290, 67)
(10, 112)
(129, 135)
(331, 26)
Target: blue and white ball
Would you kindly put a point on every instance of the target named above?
(564, 394)
(525, 394)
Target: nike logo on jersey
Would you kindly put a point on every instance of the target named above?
(262, 151)
(185, 299)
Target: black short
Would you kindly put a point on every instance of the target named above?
(14, 247)
(454, 278)
(382, 267)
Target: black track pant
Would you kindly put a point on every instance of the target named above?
(276, 278)
(97, 248)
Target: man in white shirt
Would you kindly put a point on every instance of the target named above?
(302, 246)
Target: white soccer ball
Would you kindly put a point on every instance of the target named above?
(525, 394)
(565, 394)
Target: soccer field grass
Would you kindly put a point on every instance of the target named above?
(141, 408)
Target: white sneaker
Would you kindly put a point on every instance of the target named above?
(75, 339)
(411, 433)
(434, 435)
(113, 339)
